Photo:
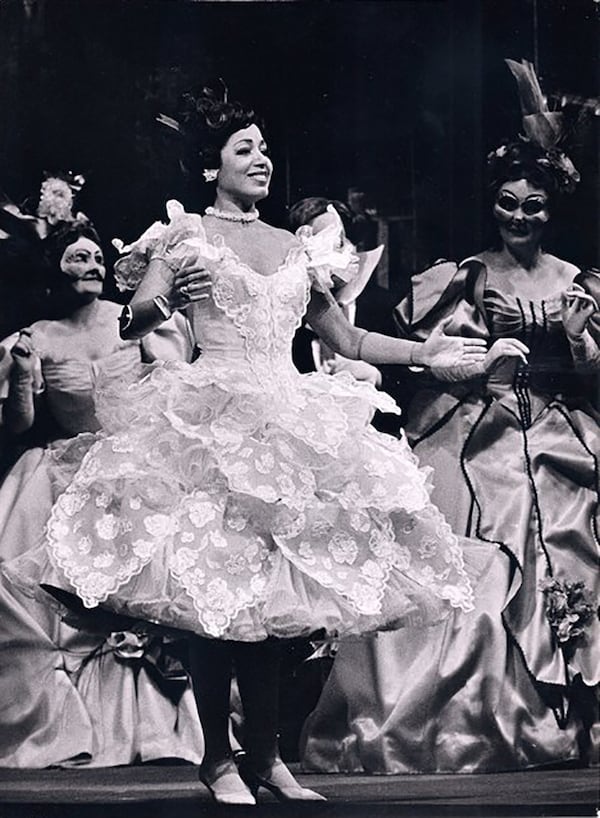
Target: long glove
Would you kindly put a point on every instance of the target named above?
(501, 350)
(585, 352)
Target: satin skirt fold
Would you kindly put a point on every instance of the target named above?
(66, 699)
(448, 698)
(490, 690)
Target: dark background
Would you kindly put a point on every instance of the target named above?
(401, 100)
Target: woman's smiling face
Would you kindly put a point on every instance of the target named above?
(521, 211)
(83, 263)
(246, 169)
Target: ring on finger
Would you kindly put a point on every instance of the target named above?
(185, 292)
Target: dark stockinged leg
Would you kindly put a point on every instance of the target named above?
(258, 672)
(211, 666)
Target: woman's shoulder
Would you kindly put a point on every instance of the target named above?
(41, 328)
(446, 272)
(486, 259)
(106, 307)
(278, 242)
(562, 268)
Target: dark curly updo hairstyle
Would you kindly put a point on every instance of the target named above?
(205, 119)
(548, 168)
(519, 160)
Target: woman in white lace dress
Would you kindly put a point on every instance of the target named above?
(235, 498)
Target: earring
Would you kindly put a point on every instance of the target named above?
(210, 174)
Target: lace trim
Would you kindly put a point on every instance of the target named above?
(93, 588)
(358, 509)
(267, 324)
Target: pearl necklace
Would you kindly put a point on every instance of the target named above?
(232, 215)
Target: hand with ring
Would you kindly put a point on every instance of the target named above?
(192, 282)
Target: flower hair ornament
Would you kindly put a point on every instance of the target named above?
(57, 195)
(208, 104)
(55, 209)
(32, 237)
(543, 130)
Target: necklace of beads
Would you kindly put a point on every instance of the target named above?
(232, 215)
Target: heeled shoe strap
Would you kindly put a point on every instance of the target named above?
(279, 780)
(225, 783)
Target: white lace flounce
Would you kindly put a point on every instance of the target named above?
(211, 505)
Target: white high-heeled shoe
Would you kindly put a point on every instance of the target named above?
(279, 781)
(225, 784)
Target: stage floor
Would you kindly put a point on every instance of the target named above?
(163, 791)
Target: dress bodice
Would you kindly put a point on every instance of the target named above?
(70, 384)
(476, 303)
(538, 323)
(250, 319)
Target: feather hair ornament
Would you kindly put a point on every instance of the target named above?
(541, 125)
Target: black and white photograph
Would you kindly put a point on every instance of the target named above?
(299, 408)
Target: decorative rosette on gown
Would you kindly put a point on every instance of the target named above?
(238, 499)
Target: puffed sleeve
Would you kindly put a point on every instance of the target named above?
(328, 258)
(450, 295)
(182, 237)
(446, 292)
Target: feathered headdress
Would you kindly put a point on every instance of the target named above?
(541, 125)
(543, 130)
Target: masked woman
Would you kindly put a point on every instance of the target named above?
(515, 459)
(235, 498)
(69, 696)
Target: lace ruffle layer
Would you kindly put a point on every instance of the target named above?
(213, 505)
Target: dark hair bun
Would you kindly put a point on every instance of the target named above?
(207, 118)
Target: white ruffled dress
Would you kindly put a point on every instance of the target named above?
(236, 498)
